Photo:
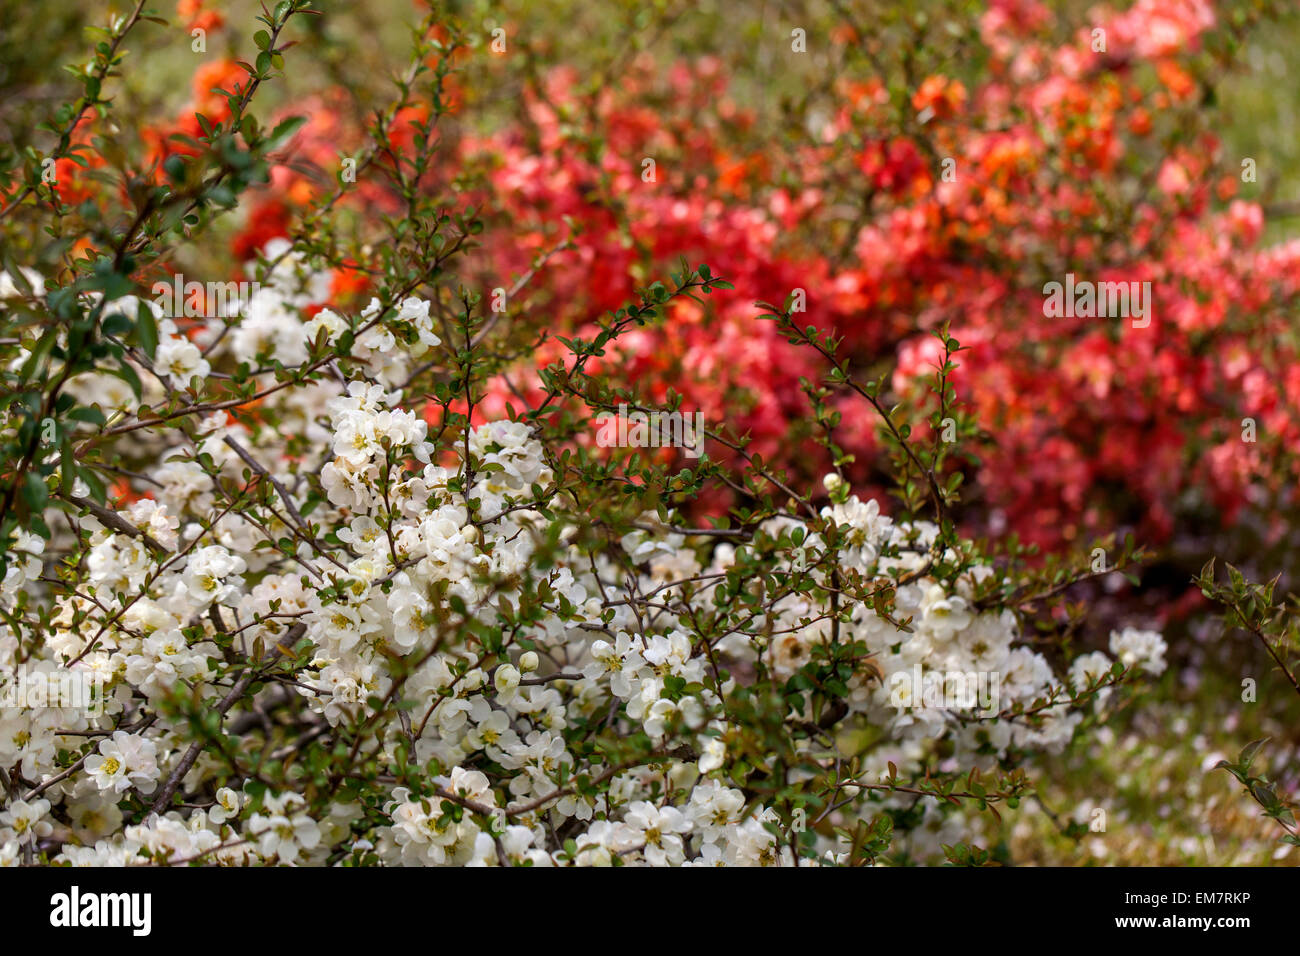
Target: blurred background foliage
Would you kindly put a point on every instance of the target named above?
(358, 46)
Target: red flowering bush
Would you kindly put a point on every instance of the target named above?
(953, 201)
(901, 209)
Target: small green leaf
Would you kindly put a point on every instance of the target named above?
(1247, 755)
(35, 492)
(146, 327)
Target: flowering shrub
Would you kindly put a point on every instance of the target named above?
(1072, 160)
(1047, 147)
(499, 651)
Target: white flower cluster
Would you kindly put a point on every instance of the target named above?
(409, 577)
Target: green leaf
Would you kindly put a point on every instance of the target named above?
(35, 492)
(284, 130)
(88, 413)
(1247, 755)
(97, 489)
(146, 327)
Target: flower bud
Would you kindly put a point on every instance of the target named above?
(506, 678)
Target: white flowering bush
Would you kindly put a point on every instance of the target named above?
(334, 614)
(336, 635)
